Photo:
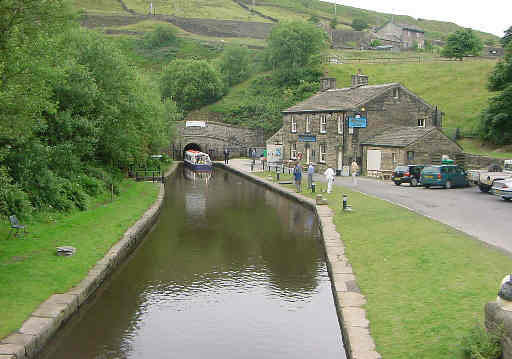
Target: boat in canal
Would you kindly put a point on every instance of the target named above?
(197, 176)
(197, 160)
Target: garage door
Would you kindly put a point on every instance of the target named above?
(373, 160)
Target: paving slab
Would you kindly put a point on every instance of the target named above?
(16, 350)
(355, 317)
(351, 299)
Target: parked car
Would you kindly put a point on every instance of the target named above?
(407, 174)
(503, 189)
(446, 176)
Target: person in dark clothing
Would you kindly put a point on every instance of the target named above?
(226, 156)
(297, 174)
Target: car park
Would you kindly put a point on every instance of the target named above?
(503, 189)
(446, 176)
(407, 174)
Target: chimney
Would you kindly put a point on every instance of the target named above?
(359, 79)
(327, 83)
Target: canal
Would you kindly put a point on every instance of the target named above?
(231, 270)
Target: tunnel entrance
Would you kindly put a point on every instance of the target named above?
(191, 146)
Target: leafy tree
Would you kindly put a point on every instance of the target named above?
(359, 24)
(234, 64)
(462, 43)
(191, 83)
(333, 23)
(161, 36)
(429, 47)
(507, 38)
(496, 121)
(314, 19)
(292, 45)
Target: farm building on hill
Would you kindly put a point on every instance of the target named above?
(408, 36)
(331, 127)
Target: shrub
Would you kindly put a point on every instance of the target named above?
(92, 186)
(359, 24)
(160, 37)
(12, 199)
(481, 344)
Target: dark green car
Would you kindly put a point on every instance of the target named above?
(446, 176)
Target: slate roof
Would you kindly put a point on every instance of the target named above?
(348, 98)
(398, 137)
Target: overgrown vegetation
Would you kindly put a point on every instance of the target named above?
(74, 111)
(481, 344)
(461, 44)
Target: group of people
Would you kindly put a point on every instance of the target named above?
(328, 173)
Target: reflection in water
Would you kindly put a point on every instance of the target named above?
(230, 271)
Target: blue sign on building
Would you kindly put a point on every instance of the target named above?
(357, 122)
(307, 138)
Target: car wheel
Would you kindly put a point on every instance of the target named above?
(448, 185)
(507, 198)
(427, 186)
(397, 183)
(414, 182)
(483, 189)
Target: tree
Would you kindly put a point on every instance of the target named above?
(191, 83)
(462, 43)
(292, 45)
(234, 64)
(507, 38)
(333, 23)
(496, 120)
(359, 24)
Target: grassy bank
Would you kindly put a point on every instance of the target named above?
(30, 271)
(426, 283)
(477, 147)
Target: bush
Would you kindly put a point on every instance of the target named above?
(160, 37)
(12, 199)
(480, 344)
(359, 24)
(92, 186)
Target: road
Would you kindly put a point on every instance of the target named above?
(483, 216)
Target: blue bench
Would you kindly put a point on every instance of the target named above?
(15, 226)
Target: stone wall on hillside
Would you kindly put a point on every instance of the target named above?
(221, 28)
(349, 38)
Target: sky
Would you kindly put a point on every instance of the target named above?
(479, 15)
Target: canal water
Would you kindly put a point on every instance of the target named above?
(231, 270)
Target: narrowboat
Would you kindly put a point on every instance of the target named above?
(197, 160)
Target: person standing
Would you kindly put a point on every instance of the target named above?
(354, 168)
(311, 172)
(297, 174)
(226, 156)
(329, 176)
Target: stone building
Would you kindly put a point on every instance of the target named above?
(408, 36)
(406, 145)
(330, 127)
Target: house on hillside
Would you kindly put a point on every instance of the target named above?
(336, 126)
(407, 35)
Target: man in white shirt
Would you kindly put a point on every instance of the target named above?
(329, 176)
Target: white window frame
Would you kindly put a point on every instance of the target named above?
(396, 92)
(323, 123)
(340, 124)
(294, 124)
(308, 124)
(322, 146)
(421, 122)
(293, 151)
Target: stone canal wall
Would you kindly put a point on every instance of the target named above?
(348, 299)
(37, 330)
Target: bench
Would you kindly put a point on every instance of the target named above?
(15, 226)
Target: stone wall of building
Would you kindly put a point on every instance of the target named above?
(434, 143)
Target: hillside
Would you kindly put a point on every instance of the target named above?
(267, 11)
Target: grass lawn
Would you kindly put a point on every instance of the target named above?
(426, 284)
(30, 271)
(458, 88)
(475, 146)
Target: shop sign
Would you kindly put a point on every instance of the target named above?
(307, 138)
(357, 122)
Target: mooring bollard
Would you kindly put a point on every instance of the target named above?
(313, 187)
(277, 173)
(345, 200)
(252, 167)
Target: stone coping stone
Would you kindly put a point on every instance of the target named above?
(349, 302)
(45, 321)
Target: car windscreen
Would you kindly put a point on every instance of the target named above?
(431, 170)
(402, 169)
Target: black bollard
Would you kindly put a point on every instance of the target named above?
(345, 200)
(277, 173)
(252, 166)
(313, 187)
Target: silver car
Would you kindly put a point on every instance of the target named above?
(503, 189)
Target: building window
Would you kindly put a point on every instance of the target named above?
(421, 122)
(340, 124)
(293, 151)
(396, 92)
(323, 124)
(410, 155)
(323, 152)
(308, 124)
(294, 124)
